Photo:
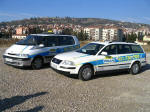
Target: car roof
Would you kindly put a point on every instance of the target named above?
(109, 43)
(50, 35)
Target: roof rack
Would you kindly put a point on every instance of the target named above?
(113, 41)
(132, 42)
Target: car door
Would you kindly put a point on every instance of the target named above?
(52, 45)
(66, 44)
(125, 56)
(108, 62)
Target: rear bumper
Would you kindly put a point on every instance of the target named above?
(14, 61)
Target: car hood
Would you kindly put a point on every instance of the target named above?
(17, 49)
(72, 56)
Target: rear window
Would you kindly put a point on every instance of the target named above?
(66, 40)
(136, 49)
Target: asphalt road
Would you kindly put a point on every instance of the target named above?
(27, 90)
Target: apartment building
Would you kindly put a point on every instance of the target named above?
(104, 33)
(112, 34)
(87, 31)
(94, 33)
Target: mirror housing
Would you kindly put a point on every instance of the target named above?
(83, 50)
(104, 53)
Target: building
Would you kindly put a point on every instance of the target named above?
(87, 31)
(142, 31)
(146, 40)
(112, 34)
(20, 33)
(19, 36)
(107, 33)
(57, 31)
(21, 30)
(94, 32)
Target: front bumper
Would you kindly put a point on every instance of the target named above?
(16, 61)
(63, 68)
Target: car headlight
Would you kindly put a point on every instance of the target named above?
(23, 55)
(66, 62)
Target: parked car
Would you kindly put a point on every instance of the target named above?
(37, 49)
(101, 56)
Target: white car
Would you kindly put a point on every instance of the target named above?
(37, 49)
(101, 56)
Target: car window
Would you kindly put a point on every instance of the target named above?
(111, 49)
(136, 49)
(50, 41)
(66, 40)
(124, 49)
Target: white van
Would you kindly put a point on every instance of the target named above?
(37, 49)
(101, 56)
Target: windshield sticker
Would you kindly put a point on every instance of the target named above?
(52, 50)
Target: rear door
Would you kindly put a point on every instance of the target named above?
(124, 57)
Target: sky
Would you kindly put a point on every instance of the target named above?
(137, 11)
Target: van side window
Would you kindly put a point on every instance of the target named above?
(51, 41)
(136, 49)
(124, 49)
(111, 49)
(66, 40)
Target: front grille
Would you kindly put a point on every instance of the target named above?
(12, 63)
(57, 61)
(12, 54)
(16, 58)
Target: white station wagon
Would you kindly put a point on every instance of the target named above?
(101, 56)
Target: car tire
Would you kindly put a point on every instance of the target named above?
(37, 63)
(85, 73)
(135, 68)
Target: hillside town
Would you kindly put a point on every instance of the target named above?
(107, 32)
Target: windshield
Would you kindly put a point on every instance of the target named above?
(31, 40)
(91, 48)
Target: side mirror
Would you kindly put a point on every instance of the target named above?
(41, 45)
(84, 50)
(104, 53)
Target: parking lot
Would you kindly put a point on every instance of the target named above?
(28, 90)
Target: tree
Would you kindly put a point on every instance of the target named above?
(80, 35)
(131, 37)
(140, 36)
(35, 30)
(124, 38)
(0, 35)
(67, 31)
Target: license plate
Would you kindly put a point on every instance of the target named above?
(8, 59)
(54, 65)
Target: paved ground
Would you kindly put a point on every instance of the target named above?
(45, 90)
